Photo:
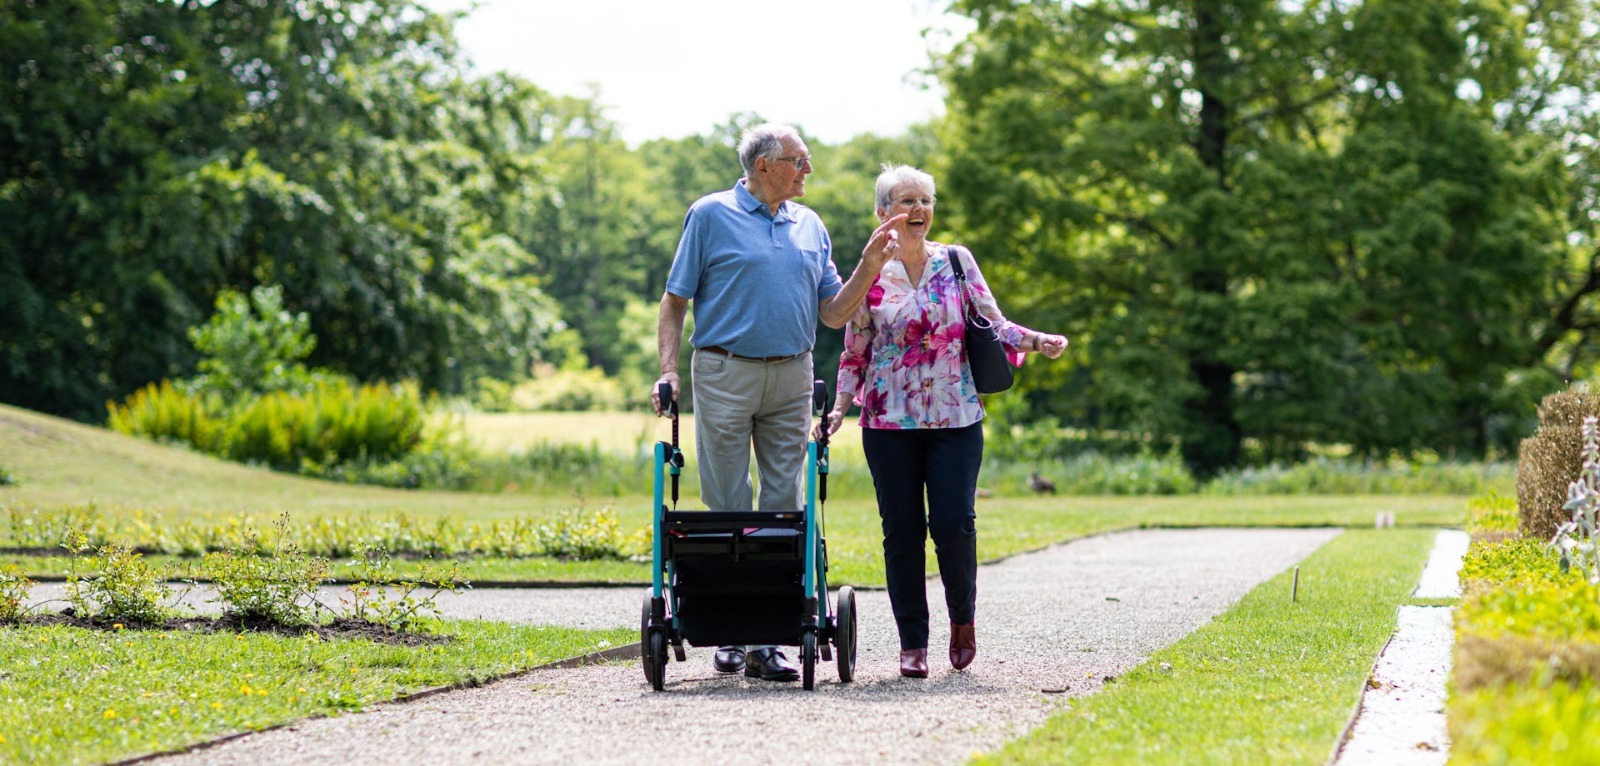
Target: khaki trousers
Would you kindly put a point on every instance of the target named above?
(739, 403)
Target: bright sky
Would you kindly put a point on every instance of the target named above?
(835, 68)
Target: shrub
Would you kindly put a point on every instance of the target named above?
(1512, 562)
(1526, 631)
(333, 424)
(1537, 722)
(14, 587)
(404, 605)
(1093, 473)
(492, 395)
(586, 538)
(163, 412)
(1548, 461)
(124, 587)
(570, 390)
(253, 345)
(1356, 476)
(5, 478)
(279, 586)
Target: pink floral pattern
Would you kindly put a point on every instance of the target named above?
(904, 359)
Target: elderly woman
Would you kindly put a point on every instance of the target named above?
(920, 414)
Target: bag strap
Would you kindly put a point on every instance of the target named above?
(961, 279)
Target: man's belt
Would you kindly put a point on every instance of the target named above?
(731, 355)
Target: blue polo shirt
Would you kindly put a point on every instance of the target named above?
(755, 279)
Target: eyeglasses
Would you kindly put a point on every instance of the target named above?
(913, 201)
(799, 162)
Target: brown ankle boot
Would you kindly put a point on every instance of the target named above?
(963, 645)
(914, 663)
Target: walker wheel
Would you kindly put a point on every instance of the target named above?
(649, 662)
(658, 651)
(844, 633)
(808, 659)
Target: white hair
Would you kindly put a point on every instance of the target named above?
(895, 175)
(764, 140)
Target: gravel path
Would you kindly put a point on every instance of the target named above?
(1402, 719)
(1052, 625)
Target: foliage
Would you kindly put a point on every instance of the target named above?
(492, 395)
(568, 390)
(1358, 476)
(166, 413)
(332, 423)
(397, 602)
(1529, 722)
(14, 585)
(156, 155)
(1576, 539)
(1567, 611)
(251, 345)
(1548, 460)
(60, 528)
(95, 696)
(1273, 225)
(1522, 614)
(123, 586)
(1520, 561)
(566, 534)
(1492, 516)
(6, 478)
(278, 584)
(1092, 473)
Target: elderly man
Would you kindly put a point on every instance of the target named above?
(760, 271)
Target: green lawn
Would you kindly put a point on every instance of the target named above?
(1268, 682)
(80, 696)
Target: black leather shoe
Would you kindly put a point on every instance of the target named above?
(769, 664)
(728, 659)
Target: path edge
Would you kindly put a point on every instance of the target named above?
(605, 655)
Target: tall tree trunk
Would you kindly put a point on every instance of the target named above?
(1213, 439)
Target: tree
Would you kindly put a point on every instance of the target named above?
(155, 154)
(1265, 222)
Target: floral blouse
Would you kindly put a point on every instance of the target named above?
(904, 358)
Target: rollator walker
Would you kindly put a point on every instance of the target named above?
(720, 578)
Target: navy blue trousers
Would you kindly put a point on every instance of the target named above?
(942, 465)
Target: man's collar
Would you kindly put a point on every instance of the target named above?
(749, 203)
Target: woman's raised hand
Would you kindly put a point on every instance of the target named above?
(884, 244)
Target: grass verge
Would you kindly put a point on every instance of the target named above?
(1268, 682)
(1006, 527)
(70, 695)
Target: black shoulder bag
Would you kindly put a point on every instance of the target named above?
(986, 357)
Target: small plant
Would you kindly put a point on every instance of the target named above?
(279, 585)
(401, 605)
(14, 587)
(1576, 537)
(5, 478)
(125, 587)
